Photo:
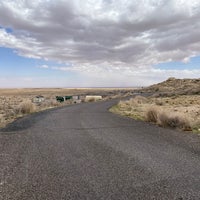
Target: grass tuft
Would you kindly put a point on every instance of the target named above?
(174, 121)
(180, 112)
(152, 115)
(26, 107)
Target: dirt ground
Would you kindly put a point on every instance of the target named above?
(12, 100)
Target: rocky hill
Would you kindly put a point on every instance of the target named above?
(174, 86)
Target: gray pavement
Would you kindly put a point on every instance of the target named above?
(85, 152)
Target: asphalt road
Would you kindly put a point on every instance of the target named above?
(84, 152)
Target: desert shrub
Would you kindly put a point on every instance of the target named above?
(54, 103)
(132, 102)
(9, 114)
(174, 121)
(26, 107)
(159, 102)
(156, 89)
(136, 101)
(17, 110)
(92, 99)
(152, 115)
(196, 125)
(122, 103)
(140, 99)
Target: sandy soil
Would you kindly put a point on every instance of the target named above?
(11, 100)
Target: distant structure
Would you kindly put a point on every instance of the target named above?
(93, 98)
(79, 98)
(38, 99)
(63, 98)
(74, 99)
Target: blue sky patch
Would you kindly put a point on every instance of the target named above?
(194, 63)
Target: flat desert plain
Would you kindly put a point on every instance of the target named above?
(15, 103)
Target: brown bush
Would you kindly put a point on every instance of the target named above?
(159, 102)
(54, 103)
(139, 99)
(26, 107)
(174, 121)
(17, 110)
(124, 104)
(152, 115)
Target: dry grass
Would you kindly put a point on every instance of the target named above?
(26, 107)
(174, 121)
(174, 86)
(152, 115)
(182, 112)
(18, 102)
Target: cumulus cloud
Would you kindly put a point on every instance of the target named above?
(105, 35)
(104, 75)
(43, 66)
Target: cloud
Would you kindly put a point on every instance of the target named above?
(37, 82)
(43, 66)
(102, 76)
(91, 33)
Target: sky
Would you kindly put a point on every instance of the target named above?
(98, 43)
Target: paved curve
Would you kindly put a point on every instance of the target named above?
(85, 152)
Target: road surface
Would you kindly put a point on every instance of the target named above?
(85, 152)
